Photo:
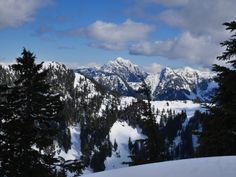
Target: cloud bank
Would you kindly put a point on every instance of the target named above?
(111, 35)
(14, 13)
(194, 50)
(201, 28)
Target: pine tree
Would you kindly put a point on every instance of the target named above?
(219, 128)
(30, 122)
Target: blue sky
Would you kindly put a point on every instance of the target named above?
(172, 33)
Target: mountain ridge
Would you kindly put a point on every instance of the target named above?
(125, 77)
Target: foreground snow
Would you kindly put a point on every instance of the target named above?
(200, 167)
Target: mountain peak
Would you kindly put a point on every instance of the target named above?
(121, 62)
(167, 70)
(171, 84)
(127, 70)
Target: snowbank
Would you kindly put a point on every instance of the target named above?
(199, 167)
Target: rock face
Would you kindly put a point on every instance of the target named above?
(123, 76)
(184, 84)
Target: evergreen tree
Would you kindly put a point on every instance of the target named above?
(154, 142)
(30, 122)
(219, 129)
(130, 144)
(115, 145)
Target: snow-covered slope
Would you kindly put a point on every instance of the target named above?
(153, 80)
(199, 167)
(120, 133)
(178, 105)
(74, 152)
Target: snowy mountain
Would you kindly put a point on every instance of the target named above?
(184, 84)
(200, 167)
(119, 75)
(123, 76)
(124, 68)
(6, 74)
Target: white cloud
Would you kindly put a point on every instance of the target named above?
(113, 36)
(153, 68)
(201, 29)
(166, 2)
(194, 50)
(14, 13)
(108, 46)
(202, 18)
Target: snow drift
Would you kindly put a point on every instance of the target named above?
(199, 167)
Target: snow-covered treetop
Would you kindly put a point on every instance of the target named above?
(52, 64)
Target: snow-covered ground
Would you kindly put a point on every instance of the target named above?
(74, 152)
(178, 105)
(188, 106)
(199, 167)
(121, 132)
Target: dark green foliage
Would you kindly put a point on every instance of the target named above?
(186, 146)
(98, 158)
(30, 122)
(152, 148)
(172, 128)
(219, 130)
(94, 127)
(173, 125)
(62, 81)
(130, 144)
(139, 153)
(115, 146)
(72, 166)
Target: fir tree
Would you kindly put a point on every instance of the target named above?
(130, 144)
(219, 129)
(154, 142)
(115, 145)
(30, 122)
